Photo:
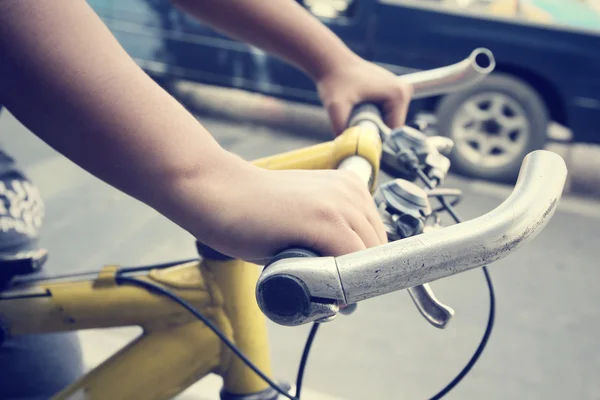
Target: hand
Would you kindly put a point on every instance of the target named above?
(358, 81)
(255, 213)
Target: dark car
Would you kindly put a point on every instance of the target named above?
(546, 65)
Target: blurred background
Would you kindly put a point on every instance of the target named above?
(544, 93)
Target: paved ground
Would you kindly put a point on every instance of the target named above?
(544, 345)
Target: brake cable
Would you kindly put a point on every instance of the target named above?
(122, 270)
(304, 359)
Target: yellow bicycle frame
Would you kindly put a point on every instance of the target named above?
(175, 349)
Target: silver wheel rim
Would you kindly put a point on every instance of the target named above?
(490, 130)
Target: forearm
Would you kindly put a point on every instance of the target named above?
(65, 77)
(281, 27)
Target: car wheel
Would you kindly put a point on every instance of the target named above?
(494, 125)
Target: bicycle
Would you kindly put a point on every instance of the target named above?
(207, 315)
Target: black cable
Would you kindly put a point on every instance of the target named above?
(120, 279)
(302, 366)
(482, 344)
(55, 277)
(164, 265)
(91, 273)
(491, 316)
(441, 199)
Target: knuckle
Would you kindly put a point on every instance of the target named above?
(400, 92)
(329, 213)
(407, 89)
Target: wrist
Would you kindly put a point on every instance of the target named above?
(197, 200)
(329, 62)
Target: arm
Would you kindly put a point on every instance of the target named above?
(65, 77)
(281, 27)
(287, 30)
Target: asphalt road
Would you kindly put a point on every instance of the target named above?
(544, 345)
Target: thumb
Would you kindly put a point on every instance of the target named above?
(336, 241)
(339, 112)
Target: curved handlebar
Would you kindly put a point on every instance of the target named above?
(451, 78)
(294, 291)
(458, 248)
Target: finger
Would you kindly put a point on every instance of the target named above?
(363, 199)
(376, 222)
(357, 193)
(365, 230)
(339, 112)
(337, 240)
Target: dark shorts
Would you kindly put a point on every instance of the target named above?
(37, 366)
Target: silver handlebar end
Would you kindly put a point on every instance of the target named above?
(452, 78)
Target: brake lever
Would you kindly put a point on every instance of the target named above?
(435, 312)
(403, 206)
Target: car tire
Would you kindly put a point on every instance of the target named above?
(494, 125)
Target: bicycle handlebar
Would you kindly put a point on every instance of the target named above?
(298, 286)
(294, 291)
